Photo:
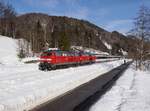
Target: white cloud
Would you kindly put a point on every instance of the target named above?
(71, 1)
(72, 9)
(75, 10)
(42, 3)
(80, 13)
(122, 26)
(101, 13)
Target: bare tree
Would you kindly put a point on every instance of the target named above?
(7, 19)
(2, 7)
(142, 31)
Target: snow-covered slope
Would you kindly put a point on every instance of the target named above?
(8, 50)
(107, 45)
(89, 50)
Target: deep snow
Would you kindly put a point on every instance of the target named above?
(130, 93)
(23, 86)
(8, 50)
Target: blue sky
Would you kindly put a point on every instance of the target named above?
(108, 14)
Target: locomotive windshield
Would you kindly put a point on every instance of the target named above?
(46, 54)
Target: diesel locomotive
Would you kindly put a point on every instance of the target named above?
(51, 59)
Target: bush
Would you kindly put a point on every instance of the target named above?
(21, 54)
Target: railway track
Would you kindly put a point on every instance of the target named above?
(87, 103)
(82, 97)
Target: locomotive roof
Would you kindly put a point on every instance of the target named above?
(71, 51)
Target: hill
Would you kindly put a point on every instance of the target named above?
(57, 31)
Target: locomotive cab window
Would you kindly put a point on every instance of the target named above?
(58, 53)
(46, 54)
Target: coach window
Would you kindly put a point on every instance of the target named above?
(76, 54)
(68, 54)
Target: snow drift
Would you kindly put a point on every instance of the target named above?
(8, 50)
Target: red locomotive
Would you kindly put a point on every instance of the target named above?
(50, 59)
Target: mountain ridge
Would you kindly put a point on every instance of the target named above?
(39, 29)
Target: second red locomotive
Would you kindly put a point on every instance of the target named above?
(50, 59)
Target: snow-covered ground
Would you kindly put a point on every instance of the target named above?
(130, 93)
(23, 86)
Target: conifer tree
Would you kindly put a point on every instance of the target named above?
(64, 42)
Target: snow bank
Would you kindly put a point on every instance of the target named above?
(139, 97)
(8, 50)
(28, 59)
(130, 93)
(24, 86)
(125, 53)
